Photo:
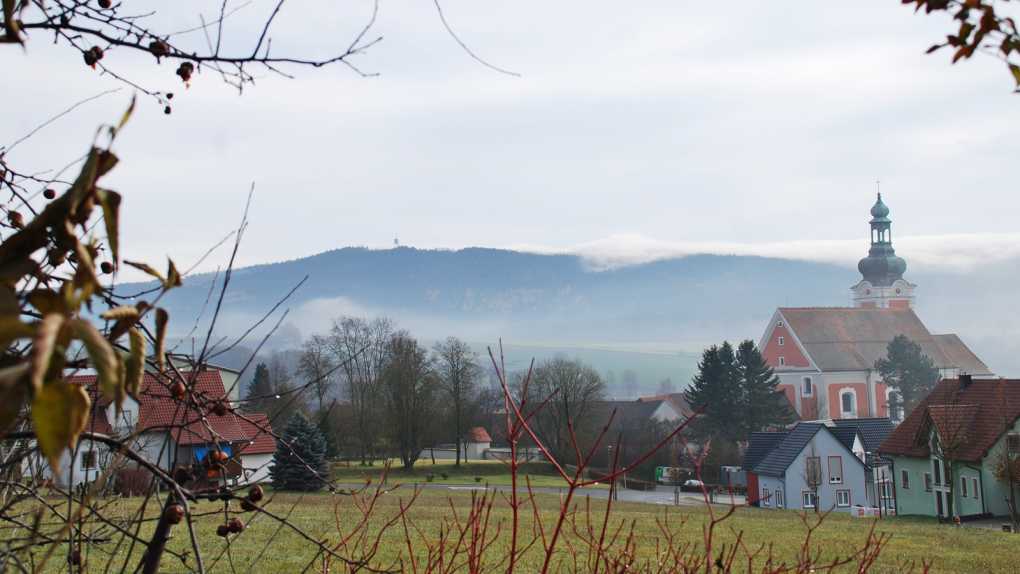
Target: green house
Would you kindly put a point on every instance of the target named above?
(952, 456)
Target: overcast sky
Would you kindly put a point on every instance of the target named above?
(636, 130)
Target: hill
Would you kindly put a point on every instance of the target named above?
(655, 316)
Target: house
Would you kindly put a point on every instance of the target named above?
(811, 466)
(825, 356)
(170, 436)
(676, 401)
(869, 434)
(945, 456)
(476, 446)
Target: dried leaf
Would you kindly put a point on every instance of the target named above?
(173, 278)
(124, 118)
(46, 301)
(162, 318)
(1015, 69)
(135, 364)
(43, 347)
(59, 412)
(122, 312)
(11, 23)
(146, 268)
(104, 360)
(110, 202)
(11, 329)
(8, 301)
(13, 392)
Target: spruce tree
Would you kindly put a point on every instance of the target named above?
(300, 459)
(763, 405)
(715, 392)
(259, 391)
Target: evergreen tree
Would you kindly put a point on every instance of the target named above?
(259, 391)
(908, 372)
(299, 462)
(715, 392)
(763, 405)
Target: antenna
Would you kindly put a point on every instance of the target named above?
(878, 187)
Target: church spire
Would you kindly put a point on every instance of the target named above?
(882, 283)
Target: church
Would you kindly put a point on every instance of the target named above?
(825, 356)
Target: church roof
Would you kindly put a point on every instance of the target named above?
(853, 338)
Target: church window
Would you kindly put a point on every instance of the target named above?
(848, 402)
(782, 341)
(808, 387)
(782, 361)
(779, 323)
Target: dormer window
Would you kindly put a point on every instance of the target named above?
(782, 341)
(779, 323)
(782, 361)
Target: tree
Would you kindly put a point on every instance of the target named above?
(715, 391)
(908, 372)
(299, 462)
(575, 390)
(260, 390)
(458, 370)
(316, 366)
(409, 391)
(762, 404)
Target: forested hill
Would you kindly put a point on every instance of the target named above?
(559, 301)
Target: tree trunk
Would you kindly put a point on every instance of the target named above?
(458, 430)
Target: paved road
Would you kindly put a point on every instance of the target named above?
(662, 496)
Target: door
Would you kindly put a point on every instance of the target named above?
(939, 505)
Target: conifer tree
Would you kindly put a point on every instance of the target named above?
(259, 390)
(715, 391)
(300, 459)
(908, 372)
(762, 404)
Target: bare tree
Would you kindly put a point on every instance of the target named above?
(316, 364)
(575, 389)
(410, 386)
(360, 347)
(457, 370)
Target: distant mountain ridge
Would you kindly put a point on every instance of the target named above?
(483, 294)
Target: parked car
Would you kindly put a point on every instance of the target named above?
(693, 484)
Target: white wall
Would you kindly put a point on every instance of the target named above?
(256, 467)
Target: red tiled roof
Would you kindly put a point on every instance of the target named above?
(258, 432)
(478, 434)
(158, 412)
(853, 338)
(973, 416)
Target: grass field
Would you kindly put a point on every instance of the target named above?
(262, 547)
(445, 472)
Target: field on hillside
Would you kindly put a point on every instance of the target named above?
(264, 547)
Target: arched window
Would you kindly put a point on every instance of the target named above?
(893, 405)
(848, 403)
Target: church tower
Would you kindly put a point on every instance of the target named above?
(883, 284)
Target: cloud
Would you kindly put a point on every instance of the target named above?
(954, 252)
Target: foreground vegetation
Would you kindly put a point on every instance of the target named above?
(952, 549)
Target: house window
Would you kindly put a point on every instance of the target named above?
(963, 486)
(835, 470)
(927, 482)
(886, 491)
(843, 498)
(936, 466)
(848, 402)
(809, 499)
(814, 470)
(764, 497)
(782, 361)
(779, 498)
(904, 479)
(88, 460)
(782, 341)
(1013, 443)
(809, 389)
(975, 490)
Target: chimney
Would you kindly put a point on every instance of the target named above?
(965, 380)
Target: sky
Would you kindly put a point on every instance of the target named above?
(633, 131)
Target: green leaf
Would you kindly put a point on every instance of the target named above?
(59, 412)
(135, 364)
(43, 347)
(110, 202)
(104, 360)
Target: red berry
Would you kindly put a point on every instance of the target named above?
(106, 267)
(219, 409)
(105, 4)
(174, 513)
(177, 390)
(49, 194)
(247, 505)
(159, 48)
(167, 110)
(235, 525)
(222, 530)
(255, 494)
